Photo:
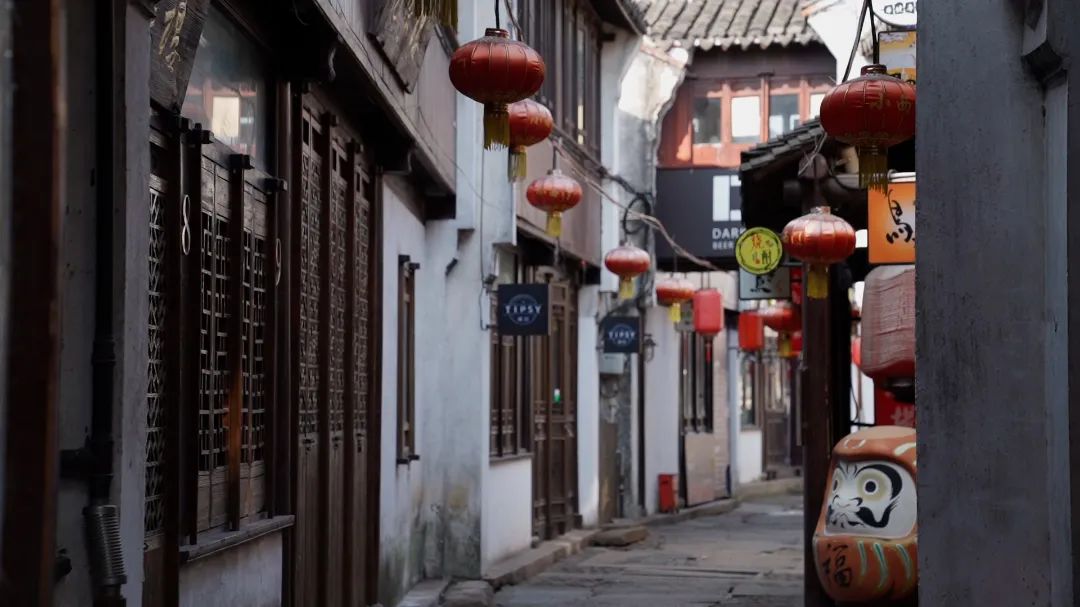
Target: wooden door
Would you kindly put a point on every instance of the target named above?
(775, 427)
(337, 480)
(554, 397)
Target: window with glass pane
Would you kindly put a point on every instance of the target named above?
(746, 119)
(228, 92)
(707, 114)
(783, 114)
(815, 104)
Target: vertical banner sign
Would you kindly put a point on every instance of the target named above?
(524, 309)
(621, 334)
(774, 285)
(897, 53)
(891, 219)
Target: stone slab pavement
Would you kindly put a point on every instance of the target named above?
(751, 557)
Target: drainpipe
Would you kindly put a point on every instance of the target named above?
(641, 417)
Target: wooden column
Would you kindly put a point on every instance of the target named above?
(817, 414)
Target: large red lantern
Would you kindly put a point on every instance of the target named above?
(673, 293)
(554, 194)
(872, 112)
(708, 312)
(819, 239)
(497, 71)
(627, 262)
(530, 123)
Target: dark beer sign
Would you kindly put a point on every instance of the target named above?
(621, 334)
(524, 309)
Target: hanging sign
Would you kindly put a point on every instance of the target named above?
(774, 285)
(759, 251)
(897, 13)
(897, 54)
(621, 334)
(891, 224)
(524, 309)
(174, 39)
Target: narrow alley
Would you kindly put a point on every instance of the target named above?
(749, 557)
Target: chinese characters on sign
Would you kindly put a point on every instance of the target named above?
(891, 234)
(759, 251)
(774, 285)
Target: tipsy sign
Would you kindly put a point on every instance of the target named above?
(524, 309)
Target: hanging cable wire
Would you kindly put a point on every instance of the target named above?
(858, 38)
(498, 24)
(513, 20)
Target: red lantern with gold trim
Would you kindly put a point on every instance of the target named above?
(497, 71)
(627, 262)
(530, 123)
(673, 293)
(872, 112)
(819, 239)
(554, 194)
(786, 320)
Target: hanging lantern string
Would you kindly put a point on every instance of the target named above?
(498, 23)
(858, 36)
(513, 20)
(873, 34)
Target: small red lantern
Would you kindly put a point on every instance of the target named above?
(497, 71)
(708, 312)
(554, 194)
(751, 331)
(627, 262)
(530, 123)
(794, 345)
(782, 317)
(819, 239)
(872, 113)
(673, 293)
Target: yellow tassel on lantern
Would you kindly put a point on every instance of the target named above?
(518, 165)
(675, 313)
(817, 284)
(554, 225)
(626, 288)
(873, 169)
(496, 126)
(443, 10)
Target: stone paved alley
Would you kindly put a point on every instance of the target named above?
(749, 557)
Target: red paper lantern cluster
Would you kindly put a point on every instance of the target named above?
(819, 239)
(872, 112)
(708, 312)
(627, 262)
(673, 293)
(554, 194)
(497, 71)
(530, 123)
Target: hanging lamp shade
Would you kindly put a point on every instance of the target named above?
(819, 239)
(554, 194)
(673, 293)
(627, 262)
(708, 312)
(751, 331)
(530, 123)
(443, 10)
(872, 112)
(496, 71)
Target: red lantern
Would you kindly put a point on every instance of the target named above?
(708, 312)
(782, 317)
(856, 352)
(673, 293)
(496, 71)
(627, 262)
(796, 344)
(444, 10)
(872, 113)
(530, 123)
(819, 239)
(751, 331)
(554, 194)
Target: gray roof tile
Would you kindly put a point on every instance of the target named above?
(727, 23)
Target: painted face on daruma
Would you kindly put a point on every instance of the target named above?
(865, 546)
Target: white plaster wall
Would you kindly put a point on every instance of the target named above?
(588, 411)
(248, 575)
(661, 404)
(507, 520)
(835, 21)
(749, 458)
(401, 493)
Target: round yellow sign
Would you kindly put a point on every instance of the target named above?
(759, 251)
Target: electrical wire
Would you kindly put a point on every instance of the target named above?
(858, 37)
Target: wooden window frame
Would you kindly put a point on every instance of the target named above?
(696, 384)
(406, 361)
(511, 362)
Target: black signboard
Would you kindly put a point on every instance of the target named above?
(524, 309)
(702, 209)
(621, 334)
(174, 36)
